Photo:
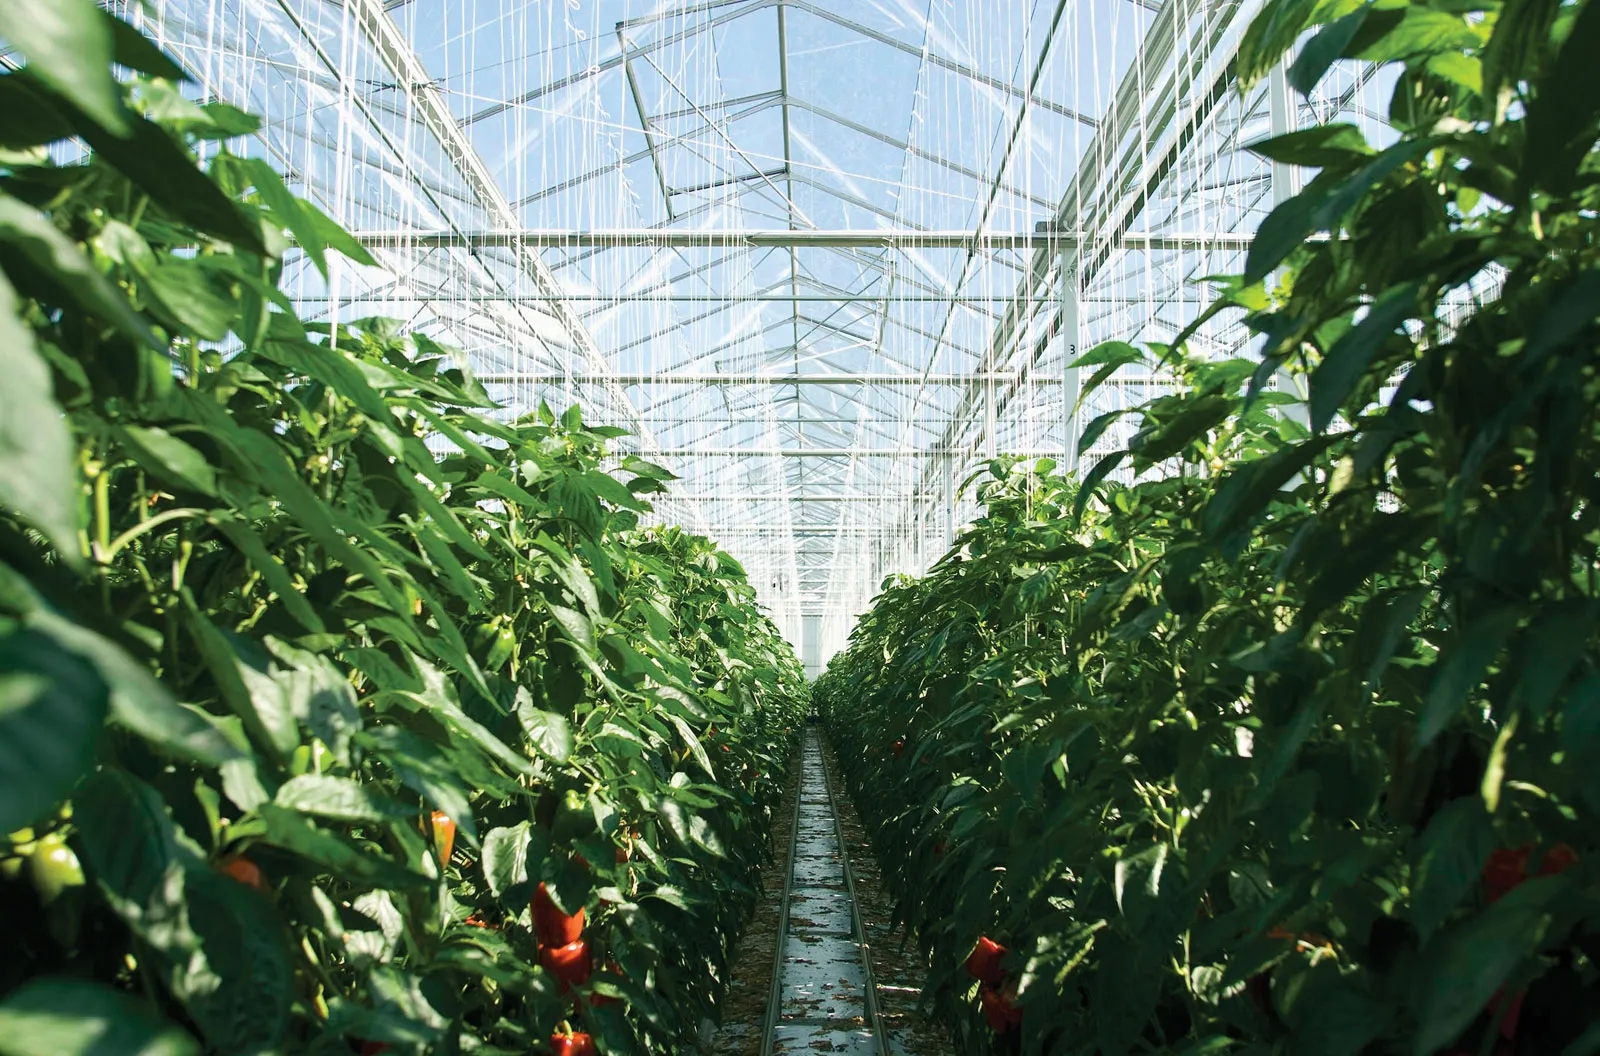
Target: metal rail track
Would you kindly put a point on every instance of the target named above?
(822, 986)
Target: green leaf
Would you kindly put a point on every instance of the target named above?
(71, 1017)
(340, 798)
(1342, 368)
(1561, 117)
(696, 749)
(1107, 352)
(30, 119)
(38, 477)
(1580, 737)
(1450, 856)
(497, 485)
(288, 211)
(1273, 32)
(1199, 415)
(69, 46)
(241, 994)
(136, 856)
(318, 694)
(254, 548)
(172, 460)
(1095, 429)
(338, 855)
(333, 236)
(187, 291)
(1461, 667)
(690, 830)
(246, 687)
(1418, 31)
(138, 52)
(1245, 492)
(612, 490)
(1137, 883)
(61, 259)
(1520, 33)
(1333, 144)
(577, 626)
(1320, 206)
(1465, 965)
(1099, 472)
(1111, 356)
(52, 705)
(511, 856)
(1321, 52)
(547, 731)
(139, 703)
(163, 169)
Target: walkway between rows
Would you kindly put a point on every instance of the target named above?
(823, 998)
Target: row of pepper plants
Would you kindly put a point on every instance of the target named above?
(314, 739)
(1292, 745)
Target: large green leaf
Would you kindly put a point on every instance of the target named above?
(340, 798)
(71, 1017)
(56, 256)
(338, 855)
(52, 705)
(139, 703)
(1461, 667)
(1347, 361)
(549, 733)
(38, 479)
(171, 459)
(512, 855)
(69, 47)
(1450, 858)
(1466, 964)
(1560, 124)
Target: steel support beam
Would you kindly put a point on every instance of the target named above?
(752, 378)
(396, 53)
(1042, 239)
(1112, 154)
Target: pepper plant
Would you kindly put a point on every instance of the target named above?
(305, 727)
(1292, 747)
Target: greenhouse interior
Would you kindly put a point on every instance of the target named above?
(745, 527)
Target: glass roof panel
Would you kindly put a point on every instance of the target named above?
(533, 178)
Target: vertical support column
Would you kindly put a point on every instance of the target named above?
(1281, 117)
(1071, 382)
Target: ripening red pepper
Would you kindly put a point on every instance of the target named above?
(569, 963)
(594, 1000)
(1507, 867)
(899, 747)
(1513, 1011)
(550, 924)
(444, 836)
(983, 963)
(576, 1044)
(999, 1011)
(1558, 859)
(243, 870)
(374, 1048)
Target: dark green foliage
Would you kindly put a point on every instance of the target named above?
(1256, 757)
(252, 625)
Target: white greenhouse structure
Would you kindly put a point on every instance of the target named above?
(822, 258)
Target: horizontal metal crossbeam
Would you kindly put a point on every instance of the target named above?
(751, 379)
(666, 238)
